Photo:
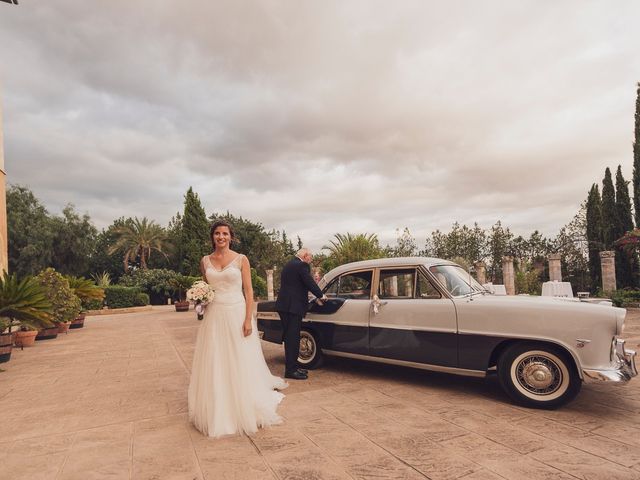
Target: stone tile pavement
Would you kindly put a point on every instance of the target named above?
(109, 402)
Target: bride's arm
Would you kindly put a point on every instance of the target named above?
(248, 296)
(202, 269)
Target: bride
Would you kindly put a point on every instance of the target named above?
(231, 388)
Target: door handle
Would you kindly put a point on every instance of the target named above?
(376, 303)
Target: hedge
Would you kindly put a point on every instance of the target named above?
(117, 296)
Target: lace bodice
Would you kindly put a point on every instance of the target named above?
(227, 283)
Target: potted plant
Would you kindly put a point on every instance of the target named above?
(65, 304)
(180, 285)
(88, 293)
(21, 302)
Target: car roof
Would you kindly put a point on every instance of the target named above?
(386, 262)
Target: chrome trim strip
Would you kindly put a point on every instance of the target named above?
(333, 322)
(268, 316)
(404, 363)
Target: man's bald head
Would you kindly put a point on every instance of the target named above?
(305, 255)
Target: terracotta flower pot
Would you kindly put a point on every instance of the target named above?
(24, 338)
(5, 347)
(64, 327)
(182, 306)
(78, 322)
(47, 333)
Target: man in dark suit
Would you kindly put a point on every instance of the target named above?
(295, 284)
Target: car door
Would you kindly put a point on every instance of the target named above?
(411, 320)
(343, 321)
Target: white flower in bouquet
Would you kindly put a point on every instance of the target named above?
(200, 293)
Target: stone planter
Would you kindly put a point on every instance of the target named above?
(78, 322)
(47, 333)
(64, 327)
(24, 338)
(182, 306)
(5, 347)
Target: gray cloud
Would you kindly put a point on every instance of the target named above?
(320, 117)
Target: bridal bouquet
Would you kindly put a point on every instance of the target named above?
(200, 293)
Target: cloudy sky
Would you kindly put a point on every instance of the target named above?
(319, 117)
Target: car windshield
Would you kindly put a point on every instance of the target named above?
(456, 280)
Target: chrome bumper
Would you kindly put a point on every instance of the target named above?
(625, 366)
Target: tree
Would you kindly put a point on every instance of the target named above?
(73, 243)
(572, 245)
(194, 234)
(405, 245)
(346, 248)
(636, 160)
(137, 240)
(593, 231)
(499, 240)
(625, 259)
(610, 225)
(30, 232)
(101, 260)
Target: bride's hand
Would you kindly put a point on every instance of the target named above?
(246, 329)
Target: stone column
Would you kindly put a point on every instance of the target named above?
(270, 295)
(4, 252)
(608, 263)
(508, 275)
(481, 272)
(555, 267)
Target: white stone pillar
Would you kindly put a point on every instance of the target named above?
(608, 263)
(270, 295)
(4, 250)
(508, 275)
(481, 272)
(555, 267)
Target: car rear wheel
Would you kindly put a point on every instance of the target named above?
(310, 354)
(538, 375)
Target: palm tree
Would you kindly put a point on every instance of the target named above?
(25, 301)
(85, 289)
(138, 238)
(353, 247)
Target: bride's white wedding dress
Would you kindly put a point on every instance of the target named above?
(231, 388)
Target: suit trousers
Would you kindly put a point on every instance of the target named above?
(291, 323)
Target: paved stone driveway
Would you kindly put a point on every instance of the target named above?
(109, 401)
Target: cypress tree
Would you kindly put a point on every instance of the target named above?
(594, 235)
(636, 161)
(610, 225)
(625, 264)
(194, 235)
(623, 204)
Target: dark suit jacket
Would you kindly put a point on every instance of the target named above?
(295, 283)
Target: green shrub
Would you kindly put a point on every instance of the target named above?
(157, 283)
(626, 298)
(259, 285)
(66, 304)
(118, 296)
(93, 304)
(141, 299)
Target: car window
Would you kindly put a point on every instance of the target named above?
(425, 289)
(456, 280)
(332, 288)
(396, 284)
(351, 285)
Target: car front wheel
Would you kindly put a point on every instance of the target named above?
(538, 375)
(310, 355)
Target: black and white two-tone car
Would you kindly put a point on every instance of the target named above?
(431, 314)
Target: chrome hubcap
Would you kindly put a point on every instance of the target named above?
(539, 375)
(307, 347)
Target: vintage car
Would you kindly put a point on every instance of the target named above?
(431, 314)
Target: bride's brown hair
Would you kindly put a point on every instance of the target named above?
(222, 223)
